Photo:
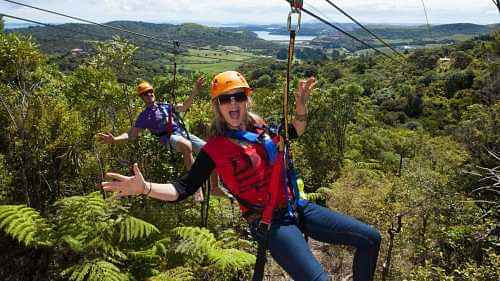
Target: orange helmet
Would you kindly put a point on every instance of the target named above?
(227, 81)
(143, 87)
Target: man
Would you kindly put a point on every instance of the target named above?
(160, 120)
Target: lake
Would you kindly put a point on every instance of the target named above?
(272, 37)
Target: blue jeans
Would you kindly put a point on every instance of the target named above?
(291, 251)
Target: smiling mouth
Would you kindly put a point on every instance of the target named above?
(234, 114)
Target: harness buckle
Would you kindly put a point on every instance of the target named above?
(263, 227)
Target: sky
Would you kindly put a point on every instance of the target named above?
(227, 12)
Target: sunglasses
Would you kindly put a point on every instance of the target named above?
(148, 92)
(236, 97)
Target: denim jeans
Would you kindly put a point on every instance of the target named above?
(196, 142)
(291, 251)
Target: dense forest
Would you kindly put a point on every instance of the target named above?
(411, 147)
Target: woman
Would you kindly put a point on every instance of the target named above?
(249, 166)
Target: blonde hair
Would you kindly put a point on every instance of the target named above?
(219, 125)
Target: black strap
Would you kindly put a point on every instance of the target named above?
(260, 262)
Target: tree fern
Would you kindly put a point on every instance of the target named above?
(231, 259)
(175, 274)
(200, 243)
(133, 228)
(94, 270)
(25, 225)
(195, 241)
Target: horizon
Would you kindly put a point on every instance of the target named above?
(229, 12)
(12, 24)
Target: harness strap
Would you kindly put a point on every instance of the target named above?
(260, 262)
(170, 125)
(265, 140)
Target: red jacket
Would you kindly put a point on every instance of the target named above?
(245, 172)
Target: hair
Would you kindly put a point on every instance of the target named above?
(219, 125)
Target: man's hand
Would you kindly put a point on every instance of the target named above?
(107, 138)
(124, 185)
(198, 85)
(304, 90)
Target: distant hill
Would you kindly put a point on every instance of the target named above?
(422, 31)
(306, 29)
(59, 41)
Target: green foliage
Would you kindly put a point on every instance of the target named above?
(133, 228)
(458, 80)
(19, 57)
(199, 244)
(5, 181)
(175, 274)
(94, 270)
(25, 225)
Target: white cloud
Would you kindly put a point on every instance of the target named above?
(251, 11)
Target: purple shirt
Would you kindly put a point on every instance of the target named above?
(155, 118)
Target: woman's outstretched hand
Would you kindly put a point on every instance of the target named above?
(125, 185)
(304, 90)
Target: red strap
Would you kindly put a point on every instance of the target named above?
(277, 182)
(170, 125)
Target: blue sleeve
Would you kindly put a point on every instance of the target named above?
(140, 122)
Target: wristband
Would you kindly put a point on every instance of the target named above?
(301, 117)
(150, 188)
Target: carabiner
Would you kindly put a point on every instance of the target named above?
(295, 6)
(296, 28)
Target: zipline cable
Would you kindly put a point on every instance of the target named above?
(427, 18)
(497, 3)
(344, 32)
(365, 28)
(150, 37)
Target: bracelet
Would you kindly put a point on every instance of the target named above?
(150, 188)
(301, 117)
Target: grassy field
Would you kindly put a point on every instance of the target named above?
(212, 62)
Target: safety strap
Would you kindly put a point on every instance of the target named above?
(170, 125)
(270, 147)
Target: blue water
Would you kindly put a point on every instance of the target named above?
(271, 37)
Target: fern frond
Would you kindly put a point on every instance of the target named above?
(25, 224)
(231, 259)
(95, 270)
(106, 247)
(133, 228)
(175, 274)
(195, 241)
(73, 243)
